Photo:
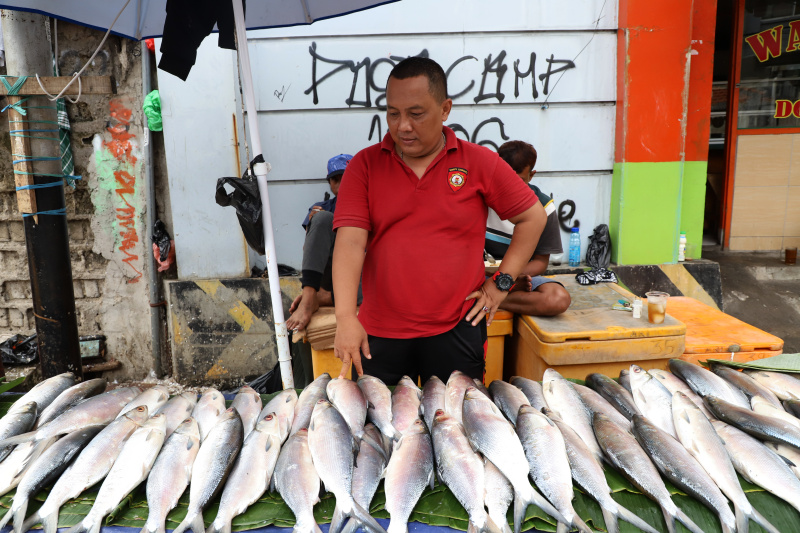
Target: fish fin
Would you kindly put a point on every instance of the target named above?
(148, 528)
(337, 520)
(669, 520)
(32, 521)
(19, 514)
(520, 506)
(580, 524)
(562, 528)
(8, 516)
(351, 527)
(472, 528)
(431, 479)
(759, 519)
(742, 520)
(688, 522)
(80, 527)
(18, 439)
(365, 519)
(612, 524)
(786, 460)
(372, 442)
(186, 524)
(489, 526)
(726, 528)
(634, 519)
(216, 527)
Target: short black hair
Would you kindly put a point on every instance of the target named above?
(518, 155)
(412, 67)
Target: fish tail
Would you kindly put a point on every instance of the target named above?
(520, 506)
(539, 501)
(18, 439)
(80, 527)
(688, 522)
(580, 524)
(742, 520)
(10, 512)
(30, 522)
(49, 522)
(763, 522)
(151, 527)
(635, 520)
(669, 519)
(337, 520)
(612, 523)
(489, 526)
(396, 527)
(365, 519)
(219, 526)
(190, 522)
(19, 514)
(561, 527)
(351, 526)
(372, 442)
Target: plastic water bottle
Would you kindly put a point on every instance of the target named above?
(682, 247)
(575, 248)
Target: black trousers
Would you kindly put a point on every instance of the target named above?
(462, 348)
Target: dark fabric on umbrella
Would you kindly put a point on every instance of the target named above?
(188, 22)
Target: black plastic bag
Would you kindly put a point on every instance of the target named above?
(19, 350)
(162, 239)
(269, 382)
(598, 253)
(247, 202)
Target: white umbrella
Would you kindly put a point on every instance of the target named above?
(139, 19)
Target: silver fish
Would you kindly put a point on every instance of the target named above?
(625, 379)
(248, 404)
(749, 386)
(96, 411)
(653, 399)
(625, 454)
(678, 465)
(532, 391)
(498, 495)
(297, 481)
(251, 474)
(758, 464)
(211, 467)
(314, 392)
(410, 469)
(45, 392)
(562, 398)
(92, 465)
(332, 446)
(763, 427)
(764, 407)
(379, 399)
(433, 394)
(70, 397)
(597, 404)
(170, 474)
(492, 435)
(549, 465)
(706, 383)
(44, 470)
(481, 387)
(406, 404)
(177, 410)
(346, 396)
(367, 474)
(792, 406)
(784, 386)
(129, 470)
(588, 473)
(15, 423)
(209, 408)
(674, 384)
(283, 405)
(154, 398)
(697, 435)
(616, 394)
(462, 470)
(15, 466)
(457, 385)
(789, 453)
(507, 398)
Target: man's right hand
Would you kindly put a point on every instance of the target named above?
(350, 343)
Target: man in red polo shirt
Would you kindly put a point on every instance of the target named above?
(417, 204)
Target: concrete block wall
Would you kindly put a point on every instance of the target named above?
(109, 261)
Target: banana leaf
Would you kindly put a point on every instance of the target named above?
(786, 362)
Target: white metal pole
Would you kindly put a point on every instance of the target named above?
(261, 170)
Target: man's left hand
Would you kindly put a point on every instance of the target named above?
(487, 300)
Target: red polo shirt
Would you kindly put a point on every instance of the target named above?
(425, 245)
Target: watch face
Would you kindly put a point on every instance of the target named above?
(504, 282)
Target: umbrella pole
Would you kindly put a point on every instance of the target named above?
(261, 169)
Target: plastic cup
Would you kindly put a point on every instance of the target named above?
(791, 256)
(656, 306)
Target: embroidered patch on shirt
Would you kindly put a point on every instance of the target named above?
(456, 178)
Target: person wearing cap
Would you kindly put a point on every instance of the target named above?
(317, 251)
(411, 216)
(532, 294)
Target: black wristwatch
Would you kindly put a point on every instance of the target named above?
(503, 281)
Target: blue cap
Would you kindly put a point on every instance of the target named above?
(575, 230)
(337, 164)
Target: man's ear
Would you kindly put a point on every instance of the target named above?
(533, 173)
(447, 106)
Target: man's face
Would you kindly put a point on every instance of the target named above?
(414, 116)
(334, 184)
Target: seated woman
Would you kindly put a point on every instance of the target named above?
(532, 293)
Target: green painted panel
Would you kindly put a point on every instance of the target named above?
(693, 200)
(645, 212)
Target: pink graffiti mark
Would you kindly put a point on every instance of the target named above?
(122, 150)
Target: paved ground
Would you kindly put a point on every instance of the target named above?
(761, 290)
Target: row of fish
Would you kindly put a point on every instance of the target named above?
(697, 428)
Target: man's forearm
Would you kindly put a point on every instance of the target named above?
(528, 227)
(348, 260)
(537, 266)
